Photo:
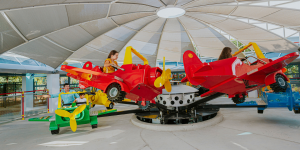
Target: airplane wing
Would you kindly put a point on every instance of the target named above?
(271, 67)
(185, 79)
(75, 71)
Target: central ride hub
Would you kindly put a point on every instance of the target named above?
(178, 107)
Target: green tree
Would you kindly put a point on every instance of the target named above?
(40, 80)
(239, 45)
(5, 79)
(291, 69)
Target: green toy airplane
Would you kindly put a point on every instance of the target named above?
(73, 116)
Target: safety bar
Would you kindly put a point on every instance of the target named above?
(59, 98)
(128, 57)
(117, 67)
(258, 59)
(21, 92)
(258, 52)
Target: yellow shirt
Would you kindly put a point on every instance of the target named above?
(109, 69)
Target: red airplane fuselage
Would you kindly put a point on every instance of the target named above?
(137, 80)
(231, 76)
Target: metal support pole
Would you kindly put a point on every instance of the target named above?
(47, 101)
(5, 91)
(299, 41)
(177, 122)
(15, 87)
(22, 105)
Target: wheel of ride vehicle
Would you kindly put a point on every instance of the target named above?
(94, 126)
(239, 100)
(55, 131)
(114, 93)
(260, 111)
(144, 107)
(296, 111)
(196, 120)
(111, 106)
(201, 91)
(280, 85)
(161, 121)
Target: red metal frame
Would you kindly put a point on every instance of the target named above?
(231, 75)
(137, 80)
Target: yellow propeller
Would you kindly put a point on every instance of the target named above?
(64, 113)
(163, 80)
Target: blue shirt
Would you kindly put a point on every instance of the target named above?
(67, 98)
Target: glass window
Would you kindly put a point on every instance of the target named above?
(77, 65)
(283, 54)
(27, 61)
(40, 64)
(63, 80)
(271, 55)
(168, 63)
(8, 60)
(292, 69)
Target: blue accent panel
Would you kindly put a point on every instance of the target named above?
(248, 103)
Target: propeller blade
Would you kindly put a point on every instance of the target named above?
(168, 74)
(73, 124)
(79, 109)
(62, 113)
(168, 86)
(158, 82)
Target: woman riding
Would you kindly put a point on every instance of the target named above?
(226, 53)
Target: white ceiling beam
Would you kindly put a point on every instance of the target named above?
(65, 4)
(58, 45)
(137, 33)
(162, 31)
(102, 35)
(108, 12)
(13, 26)
(162, 2)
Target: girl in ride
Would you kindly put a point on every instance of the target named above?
(226, 53)
(111, 60)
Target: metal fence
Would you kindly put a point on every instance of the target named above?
(19, 105)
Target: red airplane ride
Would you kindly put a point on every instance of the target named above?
(141, 83)
(234, 77)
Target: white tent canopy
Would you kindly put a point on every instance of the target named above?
(52, 31)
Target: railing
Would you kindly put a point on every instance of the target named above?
(77, 89)
(18, 105)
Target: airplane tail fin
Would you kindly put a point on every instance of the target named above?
(191, 64)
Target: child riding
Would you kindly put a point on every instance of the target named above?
(110, 62)
(81, 100)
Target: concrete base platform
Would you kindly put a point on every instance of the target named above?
(241, 129)
(173, 127)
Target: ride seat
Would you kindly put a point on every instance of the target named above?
(97, 69)
(134, 67)
(101, 68)
(139, 66)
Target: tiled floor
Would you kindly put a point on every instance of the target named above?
(241, 129)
